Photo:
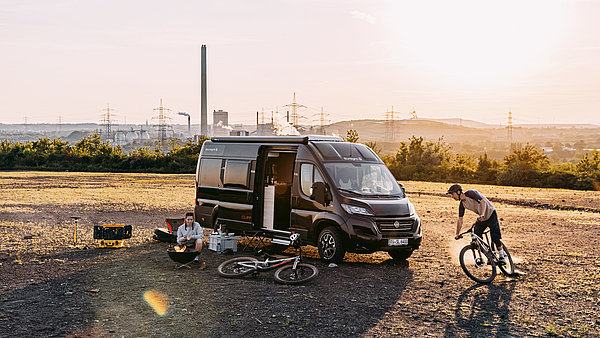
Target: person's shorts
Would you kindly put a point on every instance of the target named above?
(492, 223)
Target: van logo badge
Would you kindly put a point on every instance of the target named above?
(396, 224)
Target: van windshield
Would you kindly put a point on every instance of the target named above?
(367, 179)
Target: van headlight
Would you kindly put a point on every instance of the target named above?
(411, 209)
(352, 209)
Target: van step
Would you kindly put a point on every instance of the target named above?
(280, 241)
(277, 232)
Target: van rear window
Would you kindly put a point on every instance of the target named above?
(236, 174)
(210, 172)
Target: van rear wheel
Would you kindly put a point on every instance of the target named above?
(331, 245)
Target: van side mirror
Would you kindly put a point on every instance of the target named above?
(402, 187)
(321, 193)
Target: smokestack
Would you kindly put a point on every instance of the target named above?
(203, 121)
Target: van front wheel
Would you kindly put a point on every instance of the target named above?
(331, 245)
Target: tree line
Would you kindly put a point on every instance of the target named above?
(525, 166)
(93, 154)
(415, 159)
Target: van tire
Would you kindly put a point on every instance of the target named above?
(400, 255)
(331, 245)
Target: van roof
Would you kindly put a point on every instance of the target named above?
(303, 139)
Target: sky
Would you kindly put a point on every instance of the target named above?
(66, 60)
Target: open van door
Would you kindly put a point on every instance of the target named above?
(276, 188)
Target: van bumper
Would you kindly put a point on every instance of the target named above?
(374, 244)
(366, 236)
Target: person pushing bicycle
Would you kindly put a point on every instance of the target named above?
(486, 215)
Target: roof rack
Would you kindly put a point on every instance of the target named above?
(304, 139)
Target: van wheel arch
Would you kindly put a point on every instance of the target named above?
(213, 216)
(324, 224)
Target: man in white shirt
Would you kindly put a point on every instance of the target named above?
(190, 234)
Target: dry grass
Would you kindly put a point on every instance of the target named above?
(40, 205)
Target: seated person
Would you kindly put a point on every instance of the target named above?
(345, 179)
(190, 234)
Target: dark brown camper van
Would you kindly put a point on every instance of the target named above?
(338, 196)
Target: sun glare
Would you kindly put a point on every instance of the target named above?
(477, 41)
(157, 301)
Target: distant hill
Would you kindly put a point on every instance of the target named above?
(382, 131)
(465, 123)
(559, 126)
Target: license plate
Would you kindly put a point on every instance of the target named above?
(398, 241)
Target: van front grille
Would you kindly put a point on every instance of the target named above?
(395, 227)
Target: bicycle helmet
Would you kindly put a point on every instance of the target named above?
(454, 188)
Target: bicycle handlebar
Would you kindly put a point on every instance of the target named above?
(470, 230)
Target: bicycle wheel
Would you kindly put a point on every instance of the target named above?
(304, 273)
(509, 268)
(477, 264)
(232, 268)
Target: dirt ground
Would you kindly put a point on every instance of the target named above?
(48, 288)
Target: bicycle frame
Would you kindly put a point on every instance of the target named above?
(482, 244)
(267, 264)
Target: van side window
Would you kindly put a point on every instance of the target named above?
(236, 174)
(309, 175)
(210, 172)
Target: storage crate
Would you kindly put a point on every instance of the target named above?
(220, 242)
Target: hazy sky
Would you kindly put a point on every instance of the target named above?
(356, 59)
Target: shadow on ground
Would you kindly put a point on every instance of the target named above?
(483, 311)
(108, 299)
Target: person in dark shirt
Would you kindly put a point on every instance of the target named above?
(486, 215)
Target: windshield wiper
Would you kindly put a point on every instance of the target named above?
(351, 191)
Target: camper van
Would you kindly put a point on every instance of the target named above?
(338, 196)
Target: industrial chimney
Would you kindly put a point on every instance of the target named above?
(203, 122)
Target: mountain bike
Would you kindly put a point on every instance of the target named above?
(479, 261)
(289, 270)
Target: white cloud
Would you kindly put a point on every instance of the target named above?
(364, 17)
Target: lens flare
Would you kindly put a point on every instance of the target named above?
(157, 301)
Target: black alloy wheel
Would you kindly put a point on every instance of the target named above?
(331, 245)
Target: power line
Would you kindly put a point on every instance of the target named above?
(390, 125)
(509, 127)
(162, 120)
(294, 105)
(106, 120)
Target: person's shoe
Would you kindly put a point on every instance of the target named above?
(503, 258)
(203, 266)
